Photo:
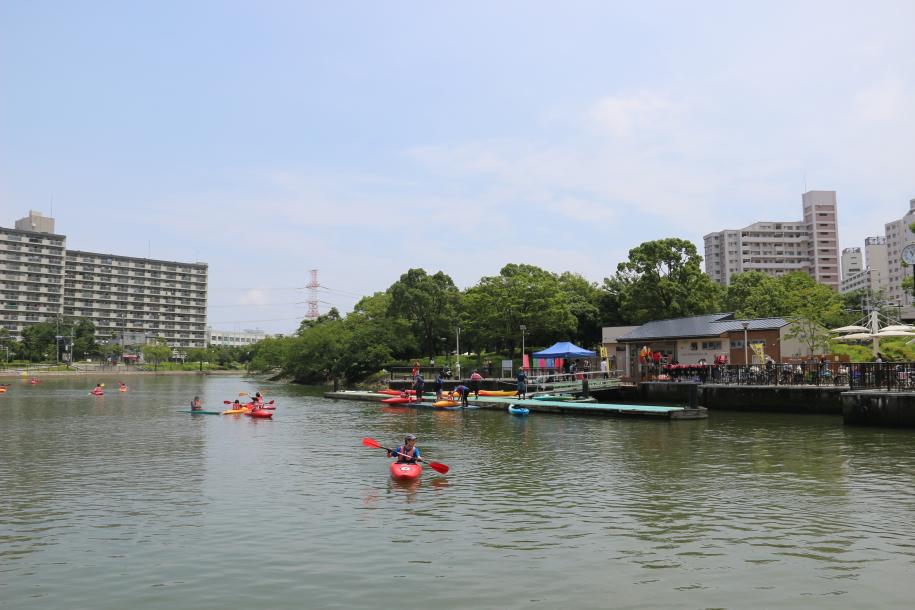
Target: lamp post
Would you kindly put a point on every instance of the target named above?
(458, 353)
(523, 328)
(746, 359)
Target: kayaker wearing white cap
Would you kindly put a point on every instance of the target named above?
(407, 453)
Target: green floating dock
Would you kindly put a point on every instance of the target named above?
(500, 403)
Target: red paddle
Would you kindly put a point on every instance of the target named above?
(436, 466)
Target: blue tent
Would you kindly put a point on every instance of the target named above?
(564, 349)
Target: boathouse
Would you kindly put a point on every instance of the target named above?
(695, 339)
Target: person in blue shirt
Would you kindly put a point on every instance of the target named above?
(522, 384)
(462, 391)
(407, 453)
(418, 384)
(439, 382)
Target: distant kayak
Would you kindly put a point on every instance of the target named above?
(97, 393)
(199, 412)
(518, 410)
(235, 411)
(405, 472)
(260, 413)
(498, 392)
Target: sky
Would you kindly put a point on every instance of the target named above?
(363, 139)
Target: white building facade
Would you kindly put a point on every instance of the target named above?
(776, 248)
(234, 338)
(41, 281)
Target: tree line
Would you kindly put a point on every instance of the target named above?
(419, 314)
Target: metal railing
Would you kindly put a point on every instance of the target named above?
(898, 377)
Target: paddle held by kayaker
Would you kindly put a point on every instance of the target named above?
(408, 453)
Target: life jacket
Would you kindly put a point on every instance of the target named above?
(401, 459)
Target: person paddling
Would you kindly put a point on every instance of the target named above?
(195, 404)
(407, 453)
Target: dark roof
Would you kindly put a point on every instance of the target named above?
(711, 325)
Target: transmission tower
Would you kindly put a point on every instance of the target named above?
(313, 296)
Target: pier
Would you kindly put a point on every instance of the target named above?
(500, 403)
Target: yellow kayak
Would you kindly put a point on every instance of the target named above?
(235, 411)
(445, 403)
(498, 392)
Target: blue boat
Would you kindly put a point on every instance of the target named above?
(518, 410)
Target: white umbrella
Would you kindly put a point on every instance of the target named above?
(903, 327)
(854, 337)
(894, 333)
(851, 329)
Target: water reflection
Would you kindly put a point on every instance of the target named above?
(737, 510)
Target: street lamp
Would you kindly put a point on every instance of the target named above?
(523, 328)
(746, 359)
(458, 352)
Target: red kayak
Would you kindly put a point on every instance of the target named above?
(405, 472)
(397, 400)
(389, 391)
(259, 413)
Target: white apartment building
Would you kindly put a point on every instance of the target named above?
(776, 248)
(40, 280)
(875, 274)
(852, 262)
(31, 274)
(122, 295)
(898, 236)
(234, 338)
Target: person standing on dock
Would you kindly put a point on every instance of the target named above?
(522, 384)
(475, 380)
(418, 384)
(439, 382)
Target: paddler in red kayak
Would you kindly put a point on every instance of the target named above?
(407, 453)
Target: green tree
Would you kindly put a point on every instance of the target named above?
(84, 343)
(754, 294)
(429, 302)
(39, 341)
(199, 355)
(664, 279)
(156, 353)
(495, 309)
(584, 299)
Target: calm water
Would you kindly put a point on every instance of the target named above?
(121, 502)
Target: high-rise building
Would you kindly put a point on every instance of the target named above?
(874, 276)
(898, 236)
(775, 248)
(31, 274)
(40, 281)
(852, 262)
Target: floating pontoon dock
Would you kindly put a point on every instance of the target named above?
(500, 403)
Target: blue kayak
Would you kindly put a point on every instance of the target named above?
(518, 410)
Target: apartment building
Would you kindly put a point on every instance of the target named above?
(31, 273)
(775, 248)
(898, 236)
(852, 262)
(123, 296)
(234, 338)
(875, 274)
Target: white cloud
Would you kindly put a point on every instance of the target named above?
(622, 116)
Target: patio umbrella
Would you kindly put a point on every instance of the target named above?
(900, 327)
(851, 329)
(894, 333)
(854, 337)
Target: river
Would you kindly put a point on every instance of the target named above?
(120, 502)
